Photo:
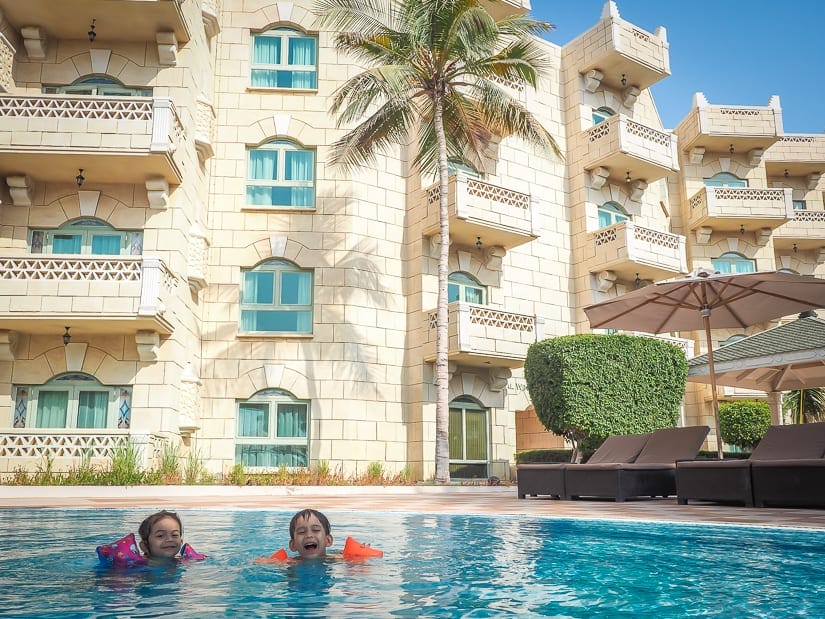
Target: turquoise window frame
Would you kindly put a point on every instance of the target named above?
(601, 114)
(284, 58)
(611, 213)
(97, 85)
(466, 288)
(725, 179)
(272, 430)
(733, 262)
(87, 236)
(281, 174)
(276, 297)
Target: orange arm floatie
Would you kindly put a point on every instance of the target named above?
(356, 550)
(278, 556)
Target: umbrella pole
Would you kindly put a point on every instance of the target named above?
(706, 320)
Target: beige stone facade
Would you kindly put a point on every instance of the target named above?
(163, 129)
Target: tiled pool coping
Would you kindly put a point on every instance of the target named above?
(431, 499)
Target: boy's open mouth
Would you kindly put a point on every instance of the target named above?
(311, 546)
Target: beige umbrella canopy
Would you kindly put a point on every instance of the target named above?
(708, 300)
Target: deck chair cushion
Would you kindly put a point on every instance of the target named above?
(796, 442)
(671, 444)
(619, 449)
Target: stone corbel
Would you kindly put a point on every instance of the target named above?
(813, 179)
(703, 235)
(697, 154)
(605, 280)
(8, 345)
(157, 192)
(35, 42)
(598, 177)
(763, 235)
(498, 378)
(637, 190)
(148, 343)
(755, 156)
(629, 95)
(167, 48)
(20, 189)
(820, 257)
(592, 80)
(210, 18)
(493, 257)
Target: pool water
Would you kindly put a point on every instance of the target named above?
(434, 566)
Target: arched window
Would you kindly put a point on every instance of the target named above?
(601, 114)
(457, 165)
(272, 430)
(611, 213)
(732, 339)
(99, 85)
(72, 400)
(86, 236)
(464, 287)
(725, 179)
(281, 173)
(733, 262)
(276, 297)
(284, 58)
(468, 439)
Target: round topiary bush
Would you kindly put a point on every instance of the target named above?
(744, 423)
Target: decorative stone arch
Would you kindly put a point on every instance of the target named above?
(278, 127)
(477, 264)
(283, 14)
(73, 357)
(100, 62)
(726, 164)
(488, 390)
(609, 193)
(280, 246)
(271, 376)
(97, 204)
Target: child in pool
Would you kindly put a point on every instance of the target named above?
(161, 536)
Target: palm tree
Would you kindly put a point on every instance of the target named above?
(805, 405)
(433, 82)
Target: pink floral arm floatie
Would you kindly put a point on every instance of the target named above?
(124, 553)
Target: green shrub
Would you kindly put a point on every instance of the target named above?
(125, 469)
(169, 464)
(744, 423)
(588, 387)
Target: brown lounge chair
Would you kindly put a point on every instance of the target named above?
(548, 478)
(782, 453)
(651, 474)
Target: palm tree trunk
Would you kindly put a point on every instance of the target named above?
(442, 411)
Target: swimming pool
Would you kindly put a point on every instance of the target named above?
(442, 566)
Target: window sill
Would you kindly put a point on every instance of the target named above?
(276, 90)
(278, 209)
(279, 335)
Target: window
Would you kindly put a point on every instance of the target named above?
(272, 430)
(464, 287)
(800, 205)
(86, 236)
(99, 85)
(281, 173)
(732, 339)
(284, 58)
(725, 179)
(601, 114)
(468, 439)
(276, 296)
(733, 262)
(456, 165)
(73, 400)
(611, 213)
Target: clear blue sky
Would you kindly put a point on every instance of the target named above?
(736, 52)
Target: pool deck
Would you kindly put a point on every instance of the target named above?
(481, 500)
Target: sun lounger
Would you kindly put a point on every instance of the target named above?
(651, 474)
(548, 478)
(778, 454)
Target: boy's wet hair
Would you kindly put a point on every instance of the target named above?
(306, 514)
(145, 528)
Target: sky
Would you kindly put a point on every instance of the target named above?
(735, 52)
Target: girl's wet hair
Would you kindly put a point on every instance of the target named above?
(145, 528)
(306, 514)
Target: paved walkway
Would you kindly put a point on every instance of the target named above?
(452, 499)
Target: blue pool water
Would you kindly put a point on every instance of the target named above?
(434, 566)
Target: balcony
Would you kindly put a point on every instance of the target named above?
(621, 145)
(630, 251)
(124, 20)
(805, 231)
(800, 155)
(718, 128)
(484, 336)
(115, 139)
(499, 9)
(496, 215)
(617, 50)
(95, 295)
(731, 208)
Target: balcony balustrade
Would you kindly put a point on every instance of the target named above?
(737, 208)
(720, 128)
(621, 55)
(41, 294)
(115, 139)
(624, 146)
(6, 64)
(798, 154)
(480, 210)
(805, 231)
(484, 336)
(631, 251)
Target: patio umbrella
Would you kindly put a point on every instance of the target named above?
(709, 300)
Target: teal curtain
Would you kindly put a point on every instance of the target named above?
(265, 51)
(91, 409)
(106, 244)
(302, 52)
(300, 166)
(67, 243)
(292, 420)
(52, 407)
(263, 165)
(253, 419)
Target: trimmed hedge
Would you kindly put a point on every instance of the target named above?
(594, 386)
(744, 423)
